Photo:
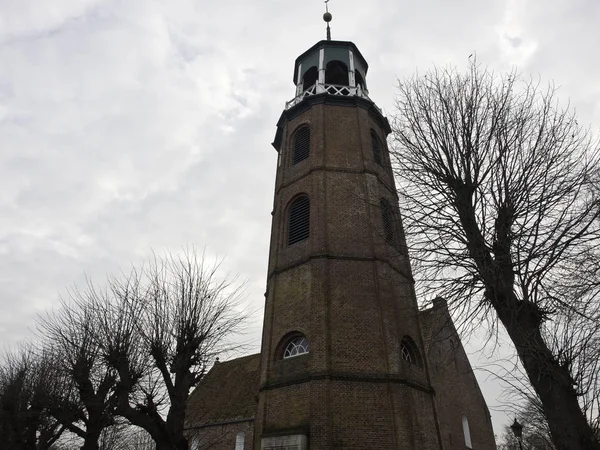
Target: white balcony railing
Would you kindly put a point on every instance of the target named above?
(332, 89)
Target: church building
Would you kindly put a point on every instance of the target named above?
(348, 361)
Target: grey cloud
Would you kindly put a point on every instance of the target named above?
(132, 126)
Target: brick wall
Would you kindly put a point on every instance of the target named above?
(457, 390)
(348, 290)
(221, 437)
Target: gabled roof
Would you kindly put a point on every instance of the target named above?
(228, 392)
(437, 324)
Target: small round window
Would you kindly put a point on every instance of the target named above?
(296, 346)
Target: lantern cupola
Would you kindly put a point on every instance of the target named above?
(331, 68)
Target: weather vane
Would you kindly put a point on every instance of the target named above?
(327, 18)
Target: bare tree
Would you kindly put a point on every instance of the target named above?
(158, 329)
(121, 436)
(124, 436)
(497, 184)
(535, 433)
(28, 380)
(574, 334)
(71, 331)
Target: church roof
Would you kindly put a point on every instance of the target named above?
(436, 323)
(228, 392)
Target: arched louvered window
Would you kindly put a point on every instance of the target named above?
(387, 218)
(376, 148)
(299, 220)
(409, 351)
(301, 145)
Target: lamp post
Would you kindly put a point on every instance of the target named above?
(517, 429)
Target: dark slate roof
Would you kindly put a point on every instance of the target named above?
(325, 43)
(228, 392)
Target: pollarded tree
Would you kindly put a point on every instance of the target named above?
(70, 333)
(158, 329)
(28, 382)
(498, 188)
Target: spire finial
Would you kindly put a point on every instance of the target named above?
(327, 18)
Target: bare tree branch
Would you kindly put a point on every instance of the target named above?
(71, 331)
(28, 382)
(159, 327)
(501, 208)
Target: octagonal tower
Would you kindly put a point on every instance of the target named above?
(342, 360)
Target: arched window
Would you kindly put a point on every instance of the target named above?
(310, 78)
(299, 220)
(336, 72)
(360, 81)
(239, 440)
(376, 148)
(301, 145)
(297, 345)
(409, 351)
(387, 218)
(466, 431)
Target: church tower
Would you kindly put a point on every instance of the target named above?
(343, 364)
(347, 359)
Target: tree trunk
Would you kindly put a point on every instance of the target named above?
(552, 382)
(176, 417)
(91, 441)
(168, 445)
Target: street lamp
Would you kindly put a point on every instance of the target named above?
(517, 429)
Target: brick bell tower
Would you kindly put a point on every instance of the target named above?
(342, 361)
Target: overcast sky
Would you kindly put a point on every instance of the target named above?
(140, 125)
